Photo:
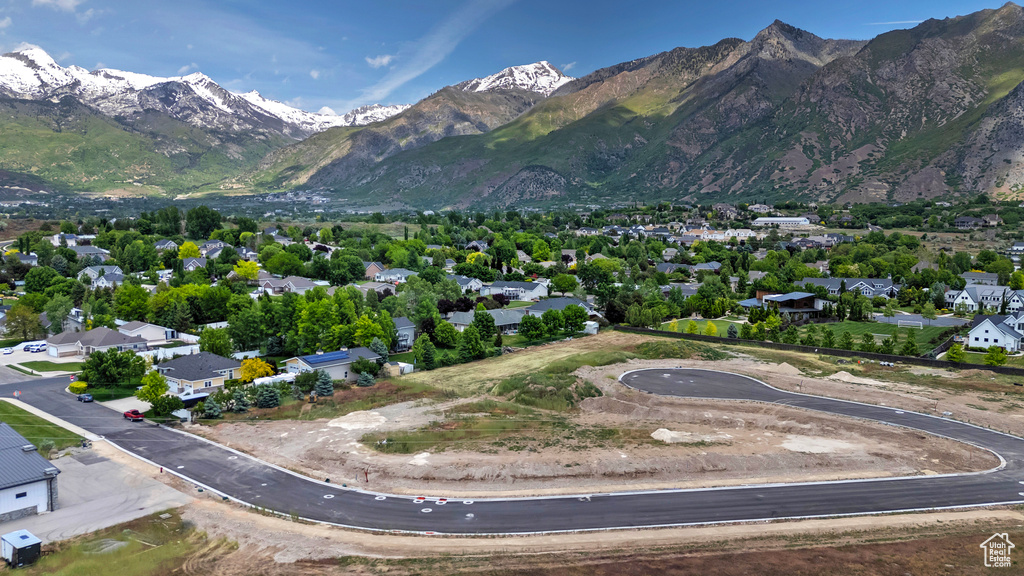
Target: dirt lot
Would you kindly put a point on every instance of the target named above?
(699, 443)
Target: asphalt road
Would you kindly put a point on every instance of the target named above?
(253, 482)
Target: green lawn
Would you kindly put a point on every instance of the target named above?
(856, 329)
(35, 429)
(979, 358)
(519, 304)
(45, 366)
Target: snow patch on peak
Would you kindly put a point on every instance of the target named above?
(541, 77)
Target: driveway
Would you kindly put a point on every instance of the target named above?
(19, 355)
(95, 492)
(125, 404)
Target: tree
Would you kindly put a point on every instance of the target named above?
(846, 341)
(890, 309)
(484, 324)
(470, 345)
(996, 356)
(888, 345)
(425, 352)
(564, 283)
(1017, 280)
(928, 312)
(380, 349)
(910, 345)
(692, 328)
(747, 331)
(791, 335)
(446, 335)
(40, 278)
(531, 327)
(828, 338)
(732, 332)
(57, 310)
(131, 302)
(553, 321)
(324, 386)
(575, 318)
(867, 343)
(165, 405)
(710, 329)
(267, 396)
(365, 379)
(216, 341)
(246, 270)
(305, 382)
(955, 353)
(201, 221)
(112, 368)
(212, 409)
(253, 368)
(246, 328)
(154, 385)
(188, 250)
(239, 401)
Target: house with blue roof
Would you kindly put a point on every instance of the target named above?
(337, 364)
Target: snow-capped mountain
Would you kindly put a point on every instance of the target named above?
(541, 77)
(32, 74)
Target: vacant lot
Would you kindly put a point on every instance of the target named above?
(36, 430)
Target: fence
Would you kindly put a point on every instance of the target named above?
(929, 362)
(169, 353)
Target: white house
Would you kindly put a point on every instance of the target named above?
(28, 484)
(337, 364)
(154, 335)
(94, 272)
(466, 283)
(976, 297)
(394, 275)
(524, 291)
(1003, 331)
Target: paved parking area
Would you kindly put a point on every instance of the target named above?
(96, 491)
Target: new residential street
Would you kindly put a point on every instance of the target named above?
(253, 482)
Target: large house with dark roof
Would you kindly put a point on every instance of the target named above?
(201, 372)
(559, 304)
(405, 335)
(28, 482)
(505, 320)
(799, 305)
(1003, 331)
(337, 364)
(869, 287)
(523, 291)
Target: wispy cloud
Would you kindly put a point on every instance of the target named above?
(894, 22)
(63, 5)
(314, 74)
(432, 49)
(5, 22)
(569, 66)
(187, 68)
(379, 61)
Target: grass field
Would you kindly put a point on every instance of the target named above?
(46, 366)
(35, 429)
(343, 402)
(856, 329)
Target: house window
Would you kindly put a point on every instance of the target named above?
(346, 373)
(207, 383)
(21, 494)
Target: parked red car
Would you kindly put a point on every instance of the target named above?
(134, 415)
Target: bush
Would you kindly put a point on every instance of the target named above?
(164, 405)
(365, 379)
(324, 385)
(212, 409)
(78, 387)
(364, 366)
(267, 396)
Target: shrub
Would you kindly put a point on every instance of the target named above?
(78, 387)
(365, 379)
(267, 396)
(212, 409)
(324, 385)
(164, 405)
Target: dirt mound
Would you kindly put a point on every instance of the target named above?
(360, 420)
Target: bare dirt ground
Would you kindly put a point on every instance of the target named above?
(702, 443)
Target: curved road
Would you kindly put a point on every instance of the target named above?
(250, 481)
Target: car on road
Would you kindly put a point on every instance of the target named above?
(85, 397)
(134, 415)
(7, 350)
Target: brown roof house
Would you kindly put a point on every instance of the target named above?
(96, 340)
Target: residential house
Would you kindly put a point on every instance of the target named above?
(405, 334)
(94, 272)
(96, 340)
(381, 288)
(91, 252)
(968, 223)
(28, 484)
(68, 240)
(246, 254)
(587, 231)
(372, 269)
(294, 284)
(477, 246)
(505, 320)
(154, 335)
(725, 211)
(559, 304)
(670, 268)
(394, 275)
(992, 220)
(162, 245)
(466, 283)
(569, 257)
(522, 291)
(760, 209)
(30, 259)
(669, 253)
(108, 281)
(195, 373)
(193, 264)
(977, 298)
(799, 305)
(996, 330)
(706, 267)
(981, 278)
(210, 246)
(1015, 251)
(869, 287)
(337, 364)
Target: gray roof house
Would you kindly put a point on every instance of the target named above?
(193, 264)
(165, 244)
(869, 287)
(405, 334)
(95, 340)
(977, 296)
(91, 252)
(1002, 331)
(108, 280)
(466, 283)
(394, 275)
(94, 272)
(523, 291)
(28, 482)
(198, 372)
(559, 304)
(506, 320)
(336, 364)
(982, 278)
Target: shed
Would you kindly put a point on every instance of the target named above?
(20, 548)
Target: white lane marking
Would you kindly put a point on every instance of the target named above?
(899, 412)
(180, 467)
(232, 457)
(264, 484)
(469, 516)
(328, 496)
(426, 510)
(467, 502)
(381, 498)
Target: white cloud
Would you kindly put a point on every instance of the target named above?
(327, 110)
(26, 46)
(5, 22)
(63, 56)
(64, 5)
(189, 46)
(569, 66)
(379, 61)
(432, 49)
(314, 74)
(186, 68)
(84, 17)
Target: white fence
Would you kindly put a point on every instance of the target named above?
(169, 353)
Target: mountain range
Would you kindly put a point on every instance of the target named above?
(933, 111)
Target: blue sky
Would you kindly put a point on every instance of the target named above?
(341, 54)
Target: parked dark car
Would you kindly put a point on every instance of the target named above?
(85, 397)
